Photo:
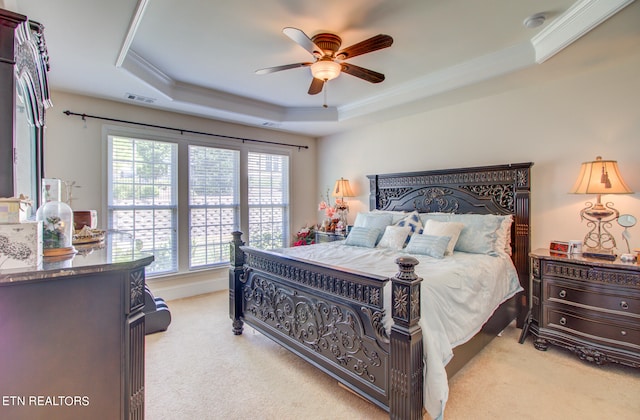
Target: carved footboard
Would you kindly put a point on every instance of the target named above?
(334, 319)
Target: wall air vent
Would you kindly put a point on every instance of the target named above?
(139, 98)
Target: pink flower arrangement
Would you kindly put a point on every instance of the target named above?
(333, 213)
(328, 209)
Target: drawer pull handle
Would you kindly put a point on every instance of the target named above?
(563, 321)
(624, 305)
(563, 293)
(623, 333)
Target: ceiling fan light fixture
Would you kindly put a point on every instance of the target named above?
(325, 69)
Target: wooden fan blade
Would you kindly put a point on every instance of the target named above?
(375, 43)
(316, 86)
(303, 40)
(362, 73)
(280, 68)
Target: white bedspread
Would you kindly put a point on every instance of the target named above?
(459, 294)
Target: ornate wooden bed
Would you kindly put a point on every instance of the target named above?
(333, 317)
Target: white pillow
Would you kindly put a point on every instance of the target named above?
(450, 229)
(394, 237)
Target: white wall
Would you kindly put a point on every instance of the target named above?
(73, 152)
(582, 103)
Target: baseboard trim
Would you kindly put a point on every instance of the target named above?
(187, 289)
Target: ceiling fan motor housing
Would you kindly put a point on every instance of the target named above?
(328, 42)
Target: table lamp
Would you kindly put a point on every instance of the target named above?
(341, 190)
(599, 177)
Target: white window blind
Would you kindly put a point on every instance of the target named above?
(142, 199)
(268, 178)
(214, 204)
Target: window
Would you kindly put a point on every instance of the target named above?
(214, 203)
(180, 199)
(142, 198)
(268, 176)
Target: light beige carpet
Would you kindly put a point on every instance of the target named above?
(198, 369)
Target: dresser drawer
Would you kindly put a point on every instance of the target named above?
(592, 328)
(596, 297)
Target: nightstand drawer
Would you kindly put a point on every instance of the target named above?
(330, 236)
(592, 328)
(599, 298)
(598, 275)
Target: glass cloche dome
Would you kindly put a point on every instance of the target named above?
(57, 228)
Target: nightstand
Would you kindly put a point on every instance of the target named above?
(586, 305)
(330, 236)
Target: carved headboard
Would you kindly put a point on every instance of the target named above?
(499, 189)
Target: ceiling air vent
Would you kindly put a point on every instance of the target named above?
(139, 98)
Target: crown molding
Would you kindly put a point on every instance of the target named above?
(136, 19)
(148, 73)
(464, 74)
(579, 19)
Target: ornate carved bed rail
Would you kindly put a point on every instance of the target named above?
(334, 319)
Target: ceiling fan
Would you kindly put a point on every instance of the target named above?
(329, 58)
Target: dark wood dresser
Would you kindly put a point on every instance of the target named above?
(72, 337)
(589, 306)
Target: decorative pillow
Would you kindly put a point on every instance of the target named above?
(362, 236)
(394, 237)
(503, 235)
(451, 229)
(480, 233)
(373, 220)
(439, 216)
(434, 246)
(412, 220)
(395, 215)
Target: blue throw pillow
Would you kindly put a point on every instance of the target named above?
(433, 246)
(362, 236)
(374, 220)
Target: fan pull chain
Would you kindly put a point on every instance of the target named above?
(326, 84)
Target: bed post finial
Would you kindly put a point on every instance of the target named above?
(405, 396)
(235, 283)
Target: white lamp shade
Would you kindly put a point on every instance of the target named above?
(600, 177)
(342, 189)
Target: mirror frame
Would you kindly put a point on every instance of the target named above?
(24, 63)
(31, 67)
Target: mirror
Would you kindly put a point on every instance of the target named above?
(626, 221)
(25, 158)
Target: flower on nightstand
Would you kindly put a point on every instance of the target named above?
(305, 236)
(335, 214)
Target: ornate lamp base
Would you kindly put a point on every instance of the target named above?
(599, 242)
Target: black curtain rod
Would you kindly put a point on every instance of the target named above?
(182, 131)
